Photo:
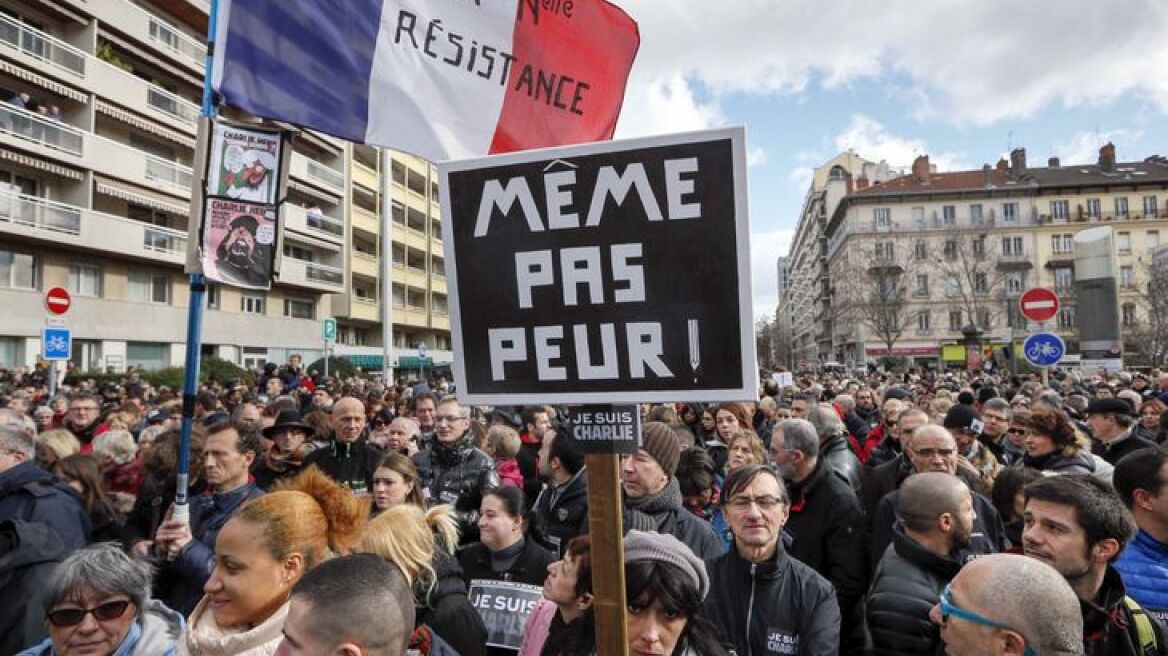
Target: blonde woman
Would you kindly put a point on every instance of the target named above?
(53, 445)
(420, 543)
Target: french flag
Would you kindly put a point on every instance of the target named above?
(443, 79)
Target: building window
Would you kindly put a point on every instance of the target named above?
(85, 280)
(1012, 246)
(1126, 276)
(950, 249)
(1123, 243)
(952, 286)
(883, 218)
(975, 215)
(921, 250)
(148, 288)
(981, 283)
(1066, 318)
(1015, 281)
(1150, 207)
(147, 355)
(1093, 208)
(1014, 318)
(918, 217)
(979, 247)
(922, 288)
(214, 296)
(1060, 209)
(1010, 212)
(1129, 314)
(1152, 240)
(923, 321)
(949, 214)
(299, 253)
(1062, 244)
(1121, 206)
(955, 320)
(398, 213)
(17, 270)
(398, 172)
(251, 304)
(254, 357)
(299, 308)
(885, 250)
(983, 319)
(1064, 279)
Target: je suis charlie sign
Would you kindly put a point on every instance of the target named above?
(602, 273)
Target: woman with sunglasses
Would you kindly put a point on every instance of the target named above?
(98, 603)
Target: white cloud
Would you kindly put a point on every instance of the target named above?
(663, 106)
(1083, 148)
(755, 156)
(801, 177)
(973, 62)
(873, 141)
(765, 249)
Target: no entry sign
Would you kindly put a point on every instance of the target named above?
(1039, 304)
(600, 273)
(58, 300)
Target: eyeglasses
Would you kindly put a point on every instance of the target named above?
(1017, 431)
(447, 418)
(949, 609)
(932, 453)
(110, 610)
(993, 418)
(764, 502)
(891, 424)
(83, 408)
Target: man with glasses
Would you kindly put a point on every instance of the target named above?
(762, 600)
(424, 407)
(1004, 604)
(883, 442)
(933, 449)
(451, 470)
(995, 416)
(884, 478)
(1079, 526)
(31, 494)
(83, 419)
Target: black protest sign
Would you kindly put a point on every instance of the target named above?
(606, 428)
(601, 273)
(504, 607)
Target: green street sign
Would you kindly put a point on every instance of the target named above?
(329, 329)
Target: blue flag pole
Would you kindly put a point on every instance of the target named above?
(198, 287)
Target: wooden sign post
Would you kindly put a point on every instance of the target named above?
(608, 554)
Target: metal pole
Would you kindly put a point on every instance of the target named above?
(326, 362)
(386, 186)
(198, 286)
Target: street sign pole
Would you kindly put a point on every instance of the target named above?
(604, 524)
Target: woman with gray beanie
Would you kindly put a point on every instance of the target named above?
(665, 586)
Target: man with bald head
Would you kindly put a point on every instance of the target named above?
(925, 554)
(347, 457)
(933, 449)
(1009, 605)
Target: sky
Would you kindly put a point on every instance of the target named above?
(963, 81)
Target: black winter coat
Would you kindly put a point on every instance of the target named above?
(448, 611)
(29, 552)
(1108, 627)
(907, 583)
(457, 474)
(351, 464)
(1115, 450)
(989, 534)
(32, 494)
(888, 449)
(776, 607)
(664, 512)
(555, 523)
(836, 452)
(530, 567)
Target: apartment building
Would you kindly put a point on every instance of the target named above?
(98, 108)
(954, 250)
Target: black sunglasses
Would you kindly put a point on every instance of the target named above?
(110, 610)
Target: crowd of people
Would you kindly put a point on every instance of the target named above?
(870, 513)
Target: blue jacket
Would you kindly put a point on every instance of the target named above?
(156, 633)
(32, 494)
(1143, 566)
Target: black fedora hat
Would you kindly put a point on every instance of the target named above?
(288, 420)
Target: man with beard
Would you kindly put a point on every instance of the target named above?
(866, 406)
(825, 526)
(937, 512)
(83, 419)
(239, 258)
(348, 459)
(560, 513)
(1078, 525)
(537, 424)
(452, 471)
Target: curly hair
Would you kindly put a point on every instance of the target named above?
(1056, 426)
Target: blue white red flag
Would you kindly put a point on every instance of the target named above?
(443, 79)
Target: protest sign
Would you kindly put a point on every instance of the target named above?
(504, 607)
(606, 428)
(618, 271)
(244, 163)
(239, 243)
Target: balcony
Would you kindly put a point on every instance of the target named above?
(364, 308)
(415, 278)
(50, 134)
(318, 174)
(311, 275)
(61, 224)
(41, 50)
(179, 45)
(365, 176)
(415, 239)
(313, 222)
(363, 219)
(364, 264)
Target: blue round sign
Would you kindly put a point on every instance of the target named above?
(1044, 349)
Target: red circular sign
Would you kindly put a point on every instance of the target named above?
(1039, 304)
(57, 300)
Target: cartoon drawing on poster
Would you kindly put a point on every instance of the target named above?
(244, 164)
(238, 243)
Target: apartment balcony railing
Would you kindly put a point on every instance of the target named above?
(168, 37)
(323, 273)
(173, 173)
(325, 223)
(165, 101)
(42, 46)
(325, 174)
(164, 240)
(40, 214)
(39, 129)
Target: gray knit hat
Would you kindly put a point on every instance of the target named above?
(641, 546)
(659, 441)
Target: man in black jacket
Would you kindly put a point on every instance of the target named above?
(762, 600)
(825, 527)
(347, 458)
(31, 494)
(834, 450)
(937, 513)
(451, 470)
(28, 555)
(560, 513)
(1111, 422)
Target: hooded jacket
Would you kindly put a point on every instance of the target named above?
(446, 609)
(351, 464)
(988, 536)
(32, 494)
(561, 513)
(28, 555)
(157, 632)
(907, 583)
(1109, 628)
(457, 474)
(1143, 566)
(777, 607)
(664, 512)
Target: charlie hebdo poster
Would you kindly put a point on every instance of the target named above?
(244, 163)
(239, 241)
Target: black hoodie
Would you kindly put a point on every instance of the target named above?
(446, 609)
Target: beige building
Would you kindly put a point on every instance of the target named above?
(98, 107)
(916, 261)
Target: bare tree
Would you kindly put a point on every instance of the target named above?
(974, 278)
(764, 339)
(873, 290)
(1149, 334)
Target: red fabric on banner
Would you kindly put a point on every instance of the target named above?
(560, 46)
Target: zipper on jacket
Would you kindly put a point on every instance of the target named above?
(750, 610)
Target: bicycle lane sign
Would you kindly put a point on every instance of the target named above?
(1044, 349)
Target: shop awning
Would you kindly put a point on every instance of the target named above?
(374, 362)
